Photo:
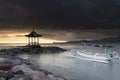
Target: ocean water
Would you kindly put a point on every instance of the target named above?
(78, 69)
(13, 44)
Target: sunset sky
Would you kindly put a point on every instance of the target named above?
(59, 20)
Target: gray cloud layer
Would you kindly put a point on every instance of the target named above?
(73, 15)
(79, 13)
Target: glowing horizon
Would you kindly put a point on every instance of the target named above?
(12, 38)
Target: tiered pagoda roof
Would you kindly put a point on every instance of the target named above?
(33, 34)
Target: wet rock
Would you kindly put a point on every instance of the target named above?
(21, 77)
(9, 75)
(45, 71)
(31, 50)
(16, 62)
(12, 60)
(34, 65)
(59, 78)
(23, 68)
(37, 75)
(6, 74)
(2, 78)
(25, 71)
(6, 66)
(19, 72)
(3, 74)
(34, 75)
(51, 77)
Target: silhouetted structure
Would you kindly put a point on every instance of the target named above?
(33, 39)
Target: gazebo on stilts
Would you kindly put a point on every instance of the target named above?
(33, 39)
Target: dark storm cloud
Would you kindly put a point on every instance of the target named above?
(93, 18)
(26, 11)
(80, 14)
(92, 13)
(79, 34)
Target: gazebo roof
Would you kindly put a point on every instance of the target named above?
(33, 34)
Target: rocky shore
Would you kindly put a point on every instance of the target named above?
(31, 50)
(15, 68)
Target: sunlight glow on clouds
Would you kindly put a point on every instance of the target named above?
(12, 38)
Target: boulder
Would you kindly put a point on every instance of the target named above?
(34, 75)
(6, 66)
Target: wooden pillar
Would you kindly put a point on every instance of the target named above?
(31, 41)
(28, 41)
(34, 41)
(38, 41)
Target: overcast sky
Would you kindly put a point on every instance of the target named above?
(61, 19)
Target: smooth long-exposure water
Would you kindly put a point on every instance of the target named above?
(78, 69)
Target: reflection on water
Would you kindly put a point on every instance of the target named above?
(76, 69)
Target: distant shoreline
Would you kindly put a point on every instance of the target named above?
(57, 44)
(21, 44)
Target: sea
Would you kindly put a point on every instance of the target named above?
(74, 68)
